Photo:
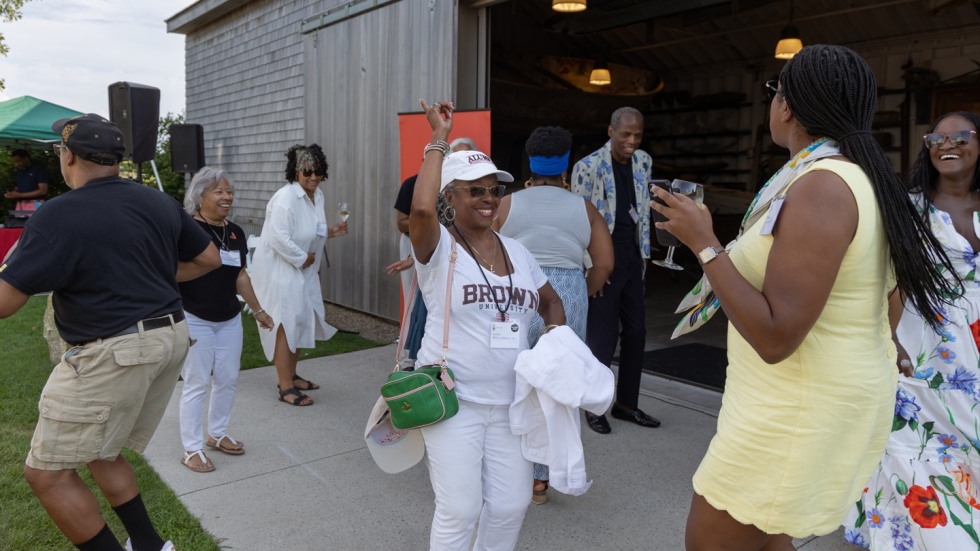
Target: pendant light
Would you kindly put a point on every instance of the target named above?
(568, 5)
(789, 39)
(600, 74)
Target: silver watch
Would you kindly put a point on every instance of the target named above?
(709, 254)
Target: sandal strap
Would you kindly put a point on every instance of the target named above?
(294, 392)
(234, 442)
(190, 455)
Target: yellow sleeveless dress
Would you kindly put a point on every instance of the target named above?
(797, 440)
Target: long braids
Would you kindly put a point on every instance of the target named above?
(831, 90)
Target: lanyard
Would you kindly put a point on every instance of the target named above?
(510, 280)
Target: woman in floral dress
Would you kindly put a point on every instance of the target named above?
(924, 493)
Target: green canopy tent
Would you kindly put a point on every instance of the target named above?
(26, 121)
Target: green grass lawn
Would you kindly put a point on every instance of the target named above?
(24, 525)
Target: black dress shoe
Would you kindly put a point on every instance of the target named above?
(598, 423)
(635, 416)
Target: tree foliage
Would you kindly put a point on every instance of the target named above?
(9, 11)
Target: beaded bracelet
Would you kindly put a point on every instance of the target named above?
(439, 145)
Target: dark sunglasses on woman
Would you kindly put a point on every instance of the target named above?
(958, 138)
(478, 191)
(308, 173)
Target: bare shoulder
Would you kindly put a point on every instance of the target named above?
(822, 201)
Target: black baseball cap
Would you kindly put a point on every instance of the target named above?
(93, 138)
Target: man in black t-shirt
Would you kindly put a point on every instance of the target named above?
(31, 178)
(112, 252)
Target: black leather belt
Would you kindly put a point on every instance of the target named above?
(149, 324)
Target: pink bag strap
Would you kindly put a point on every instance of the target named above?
(411, 304)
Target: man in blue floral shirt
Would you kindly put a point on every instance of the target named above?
(615, 179)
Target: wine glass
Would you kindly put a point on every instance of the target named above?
(343, 209)
(664, 237)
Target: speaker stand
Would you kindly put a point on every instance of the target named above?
(157, 174)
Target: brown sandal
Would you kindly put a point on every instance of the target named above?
(540, 497)
(304, 384)
(299, 399)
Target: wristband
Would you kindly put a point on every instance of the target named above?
(260, 311)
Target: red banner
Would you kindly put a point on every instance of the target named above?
(414, 134)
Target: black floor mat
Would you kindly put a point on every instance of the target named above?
(695, 363)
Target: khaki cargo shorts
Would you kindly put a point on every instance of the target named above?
(107, 395)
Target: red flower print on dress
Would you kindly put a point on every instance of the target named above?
(975, 329)
(924, 507)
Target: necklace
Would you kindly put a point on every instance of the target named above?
(224, 231)
(490, 264)
(502, 312)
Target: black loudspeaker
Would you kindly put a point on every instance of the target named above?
(135, 109)
(186, 147)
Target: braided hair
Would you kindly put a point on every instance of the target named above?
(924, 175)
(305, 157)
(831, 91)
(548, 141)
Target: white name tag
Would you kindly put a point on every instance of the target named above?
(231, 258)
(321, 229)
(505, 334)
(633, 214)
(772, 215)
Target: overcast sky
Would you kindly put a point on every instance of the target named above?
(69, 52)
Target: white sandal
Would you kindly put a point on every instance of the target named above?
(234, 447)
(205, 467)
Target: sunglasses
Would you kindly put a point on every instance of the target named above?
(308, 173)
(937, 139)
(772, 88)
(58, 148)
(479, 191)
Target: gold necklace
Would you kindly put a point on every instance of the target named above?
(490, 264)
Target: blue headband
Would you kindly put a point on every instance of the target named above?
(550, 166)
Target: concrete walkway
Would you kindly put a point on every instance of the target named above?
(307, 482)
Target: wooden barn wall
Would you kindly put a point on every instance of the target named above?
(244, 84)
(360, 73)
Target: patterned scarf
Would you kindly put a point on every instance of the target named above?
(700, 303)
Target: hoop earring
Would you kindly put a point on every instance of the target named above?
(449, 214)
(529, 182)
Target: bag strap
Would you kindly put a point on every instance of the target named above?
(406, 316)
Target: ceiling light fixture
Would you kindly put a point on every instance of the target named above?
(600, 74)
(789, 39)
(568, 5)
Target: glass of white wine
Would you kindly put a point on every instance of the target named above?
(679, 187)
(343, 209)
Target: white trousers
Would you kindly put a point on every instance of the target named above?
(217, 352)
(478, 473)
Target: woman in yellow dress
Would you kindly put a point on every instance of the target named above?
(811, 380)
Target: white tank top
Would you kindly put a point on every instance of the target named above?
(552, 223)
